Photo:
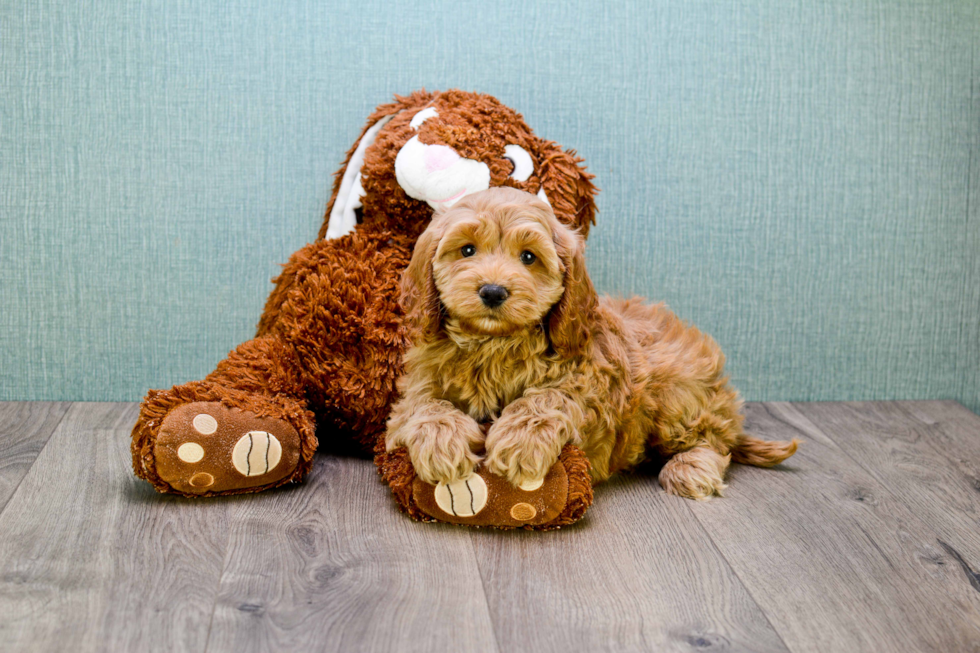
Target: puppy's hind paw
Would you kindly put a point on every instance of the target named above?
(698, 474)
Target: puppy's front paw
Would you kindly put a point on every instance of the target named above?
(440, 443)
(448, 462)
(522, 451)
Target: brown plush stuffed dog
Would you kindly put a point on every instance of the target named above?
(508, 331)
(329, 342)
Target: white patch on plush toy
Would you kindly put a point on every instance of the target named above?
(342, 216)
(205, 424)
(437, 175)
(190, 452)
(462, 498)
(422, 116)
(256, 453)
(523, 165)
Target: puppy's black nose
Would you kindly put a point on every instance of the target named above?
(493, 295)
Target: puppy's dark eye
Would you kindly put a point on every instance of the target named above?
(468, 250)
(527, 258)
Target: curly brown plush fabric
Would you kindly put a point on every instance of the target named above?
(328, 349)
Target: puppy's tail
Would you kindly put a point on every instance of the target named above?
(762, 453)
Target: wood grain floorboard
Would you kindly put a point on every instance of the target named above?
(91, 559)
(333, 566)
(638, 574)
(954, 431)
(867, 540)
(920, 456)
(24, 430)
(836, 561)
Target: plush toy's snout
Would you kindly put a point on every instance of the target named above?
(437, 174)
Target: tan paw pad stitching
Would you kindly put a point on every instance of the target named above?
(256, 453)
(523, 512)
(462, 498)
(201, 480)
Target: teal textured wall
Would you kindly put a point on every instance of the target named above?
(802, 179)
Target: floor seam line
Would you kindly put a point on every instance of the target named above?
(221, 579)
(486, 597)
(717, 549)
(54, 430)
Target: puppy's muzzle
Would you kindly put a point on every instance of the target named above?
(493, 295)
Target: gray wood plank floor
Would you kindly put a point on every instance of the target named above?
(867, 540)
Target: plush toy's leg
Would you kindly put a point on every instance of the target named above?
(486, 499)
(244, 428)
(329, 343)
(336, 303)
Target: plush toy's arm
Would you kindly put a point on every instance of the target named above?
(527, 438)
(441, 439)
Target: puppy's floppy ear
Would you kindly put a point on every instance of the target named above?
(347, 190)
(568, 187)
(419, 295)
(571, 320)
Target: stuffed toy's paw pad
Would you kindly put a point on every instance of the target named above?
(486, 499)
(559, 499)
(208, 448)
(462, 498)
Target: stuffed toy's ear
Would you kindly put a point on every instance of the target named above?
(571, 319)
(567, 187)
(419, 295)
(340, 218)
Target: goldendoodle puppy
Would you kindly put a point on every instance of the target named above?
(514, 355)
